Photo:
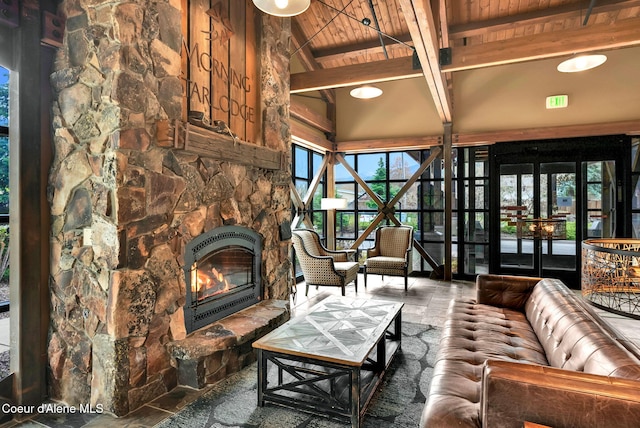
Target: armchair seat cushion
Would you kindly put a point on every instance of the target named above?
(391, 253)
(383, 263)
(321, 266)
(349, 269)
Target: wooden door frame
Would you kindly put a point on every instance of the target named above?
(30, 63)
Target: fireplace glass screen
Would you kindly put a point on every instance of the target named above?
(221, 272)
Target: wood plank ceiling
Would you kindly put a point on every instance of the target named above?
(337, 49)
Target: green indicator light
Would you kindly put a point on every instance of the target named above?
(557, 101)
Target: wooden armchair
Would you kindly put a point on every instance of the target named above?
(391, 253)
(321, 266)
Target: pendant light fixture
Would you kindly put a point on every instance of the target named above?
(366, 92)
(581, 63)
(282, 7)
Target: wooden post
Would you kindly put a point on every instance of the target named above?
(448, 200)
(331, 193)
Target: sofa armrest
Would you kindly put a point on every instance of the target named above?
(504, 291)
(513, 393)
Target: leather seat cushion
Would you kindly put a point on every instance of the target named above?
(478, 332)
(472, 334)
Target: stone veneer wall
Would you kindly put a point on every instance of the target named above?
(116, 301)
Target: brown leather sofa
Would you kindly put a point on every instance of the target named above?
(530, 349)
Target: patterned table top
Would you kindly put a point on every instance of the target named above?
(338, 329)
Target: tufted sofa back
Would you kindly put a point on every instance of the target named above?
(570, 337)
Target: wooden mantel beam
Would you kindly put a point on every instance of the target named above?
(597, 37)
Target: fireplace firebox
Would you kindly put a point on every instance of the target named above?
(222, 270)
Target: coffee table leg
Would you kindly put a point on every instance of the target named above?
(398, 327)
(262, 377)
(355, 397)
(382, 354)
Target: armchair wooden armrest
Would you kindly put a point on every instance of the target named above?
(339, 255)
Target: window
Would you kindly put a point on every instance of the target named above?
(305, 166)
(385, 175)
(471, 211)
(421, 205)
(4, 189)
(635, 188)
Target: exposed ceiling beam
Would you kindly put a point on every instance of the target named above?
(592, 3)
(365, 48)
(307, 59)
(443, 28)
(306, 137)
(390, 144)
(443, 23)
(358, 74)
(627, 127)
(310, 117)
(597, 37)
(631, 127)
(422, 27)
(558, 13)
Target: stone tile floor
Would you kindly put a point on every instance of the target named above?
(426, 302)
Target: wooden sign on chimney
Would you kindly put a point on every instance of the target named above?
(220, 64)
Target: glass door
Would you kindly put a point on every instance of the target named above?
(544, 217)
(550, 196)
(516, 205)
(600, 194)
(558, 205)
(538, 217)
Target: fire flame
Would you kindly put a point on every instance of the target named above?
(208, 283)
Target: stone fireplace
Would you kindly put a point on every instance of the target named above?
(222, 273)
(126, 203)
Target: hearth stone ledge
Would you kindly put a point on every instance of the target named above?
(213, 352)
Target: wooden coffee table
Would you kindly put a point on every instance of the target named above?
(330, 361)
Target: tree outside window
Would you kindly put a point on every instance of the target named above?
(4, 180)
(4, 141)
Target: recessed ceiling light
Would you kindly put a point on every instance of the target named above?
(581, 63)
(366, 92)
